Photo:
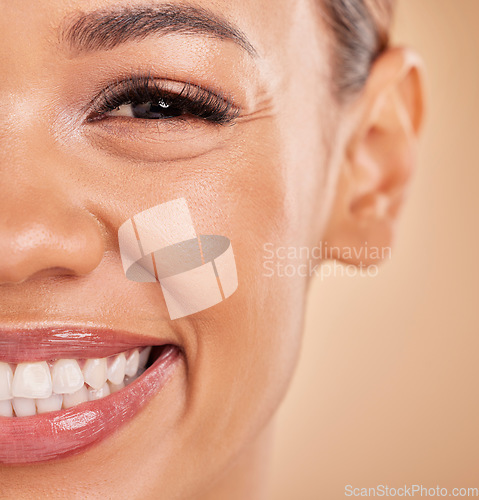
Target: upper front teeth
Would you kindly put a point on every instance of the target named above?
(40, 387)
(94, 372)
(6, 376)
(67, 376)
(32, 380)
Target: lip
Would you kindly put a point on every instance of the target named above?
(62, 433)
(43, 344)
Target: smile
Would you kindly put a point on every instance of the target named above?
(74, 389)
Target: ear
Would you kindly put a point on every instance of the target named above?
(380, 156)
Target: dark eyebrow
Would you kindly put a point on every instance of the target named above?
(106, 29)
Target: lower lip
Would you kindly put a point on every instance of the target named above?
(58, 434)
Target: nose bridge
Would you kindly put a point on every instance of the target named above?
(25, 126)
(28, 85)
(44, 227)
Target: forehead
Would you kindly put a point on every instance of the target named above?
(263, 27)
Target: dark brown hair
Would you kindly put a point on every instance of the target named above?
(361, 33)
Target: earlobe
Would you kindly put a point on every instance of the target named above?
(380, 156)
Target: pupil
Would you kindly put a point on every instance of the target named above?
(154, 110)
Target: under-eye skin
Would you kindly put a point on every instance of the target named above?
(146, 98)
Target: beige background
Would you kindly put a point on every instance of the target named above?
(387, 390)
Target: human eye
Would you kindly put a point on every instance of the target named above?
(147, 98)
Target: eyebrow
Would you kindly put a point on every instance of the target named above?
(106, 29)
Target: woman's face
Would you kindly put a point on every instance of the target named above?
(78, 160)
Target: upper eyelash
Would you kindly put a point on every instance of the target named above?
(195, 100)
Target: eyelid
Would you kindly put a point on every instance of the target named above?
(208, 104)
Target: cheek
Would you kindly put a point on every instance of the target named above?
(247, 347)
(249, 191)
(243, 350)
(276, 199)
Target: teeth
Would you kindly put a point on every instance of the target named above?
(144, 354)
(24, 407)
(100, 393)
(116, 370)
(6, 376)
(95, 372)
(132, 363)
(6, 409)
(39, 387)
(76, 398)
(67, 376)
(116, 387)
(53, 403)
(32, 380)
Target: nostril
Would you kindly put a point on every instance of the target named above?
(52, 272)
(16, 275)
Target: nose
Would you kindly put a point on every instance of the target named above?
(43, 234)
(46, 229)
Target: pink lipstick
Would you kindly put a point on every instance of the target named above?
(73, 387)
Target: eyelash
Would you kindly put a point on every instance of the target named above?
(190, 100)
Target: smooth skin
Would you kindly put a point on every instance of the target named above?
(296, 169)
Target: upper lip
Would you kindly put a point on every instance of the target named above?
(19, 345)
